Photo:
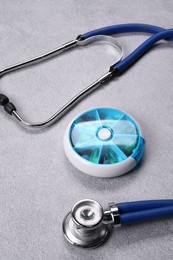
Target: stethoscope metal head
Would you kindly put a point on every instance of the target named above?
(87, 225)
(83, 225)
(87, 213)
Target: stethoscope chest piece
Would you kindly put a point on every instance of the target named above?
(89, 226)
(83, 225)
(104, 142)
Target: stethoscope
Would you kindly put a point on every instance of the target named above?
(88, 225)
(116, 69)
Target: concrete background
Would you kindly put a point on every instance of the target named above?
(38, 186)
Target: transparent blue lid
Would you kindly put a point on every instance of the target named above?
(106, 136)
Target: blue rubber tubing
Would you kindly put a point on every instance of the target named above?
(124, 28)
(159, 33)
(145, 215)
(142, 49)
(127, 207)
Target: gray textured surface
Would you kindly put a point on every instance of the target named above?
(37, 183)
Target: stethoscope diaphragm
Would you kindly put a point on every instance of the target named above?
(104, 142)
(84, 226)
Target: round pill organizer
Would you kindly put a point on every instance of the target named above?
(104, 142)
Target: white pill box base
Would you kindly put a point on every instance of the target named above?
(103, 171)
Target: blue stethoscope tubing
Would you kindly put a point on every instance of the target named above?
(139, 211)
(159, 34)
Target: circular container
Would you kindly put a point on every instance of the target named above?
(104, 142)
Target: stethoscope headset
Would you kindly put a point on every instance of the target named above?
(115, 70)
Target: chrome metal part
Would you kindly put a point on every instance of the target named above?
(74, 43)
(83, 237)
(112, 216)
(87, 213)
(66, 107)
(83, 225)
(40, 58)
(114, 213)
(87, 225)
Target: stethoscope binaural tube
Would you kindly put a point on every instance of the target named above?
(115, 69)
(88, 225)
